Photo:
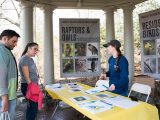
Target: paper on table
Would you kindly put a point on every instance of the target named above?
(95, 106)
(115, 99)
(96, 90)
(73, 85)
(54, 87)
(126, 104)
(121, 102)
(102, 83)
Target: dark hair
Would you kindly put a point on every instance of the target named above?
(117, 59)
(31, 44)
(9, 34)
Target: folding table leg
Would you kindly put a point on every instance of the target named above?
(57, 105)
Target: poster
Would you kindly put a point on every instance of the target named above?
(150, 43)
(79, 47)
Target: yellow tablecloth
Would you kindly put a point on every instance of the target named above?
(143, 111)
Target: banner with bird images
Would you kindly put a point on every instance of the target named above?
(150, 43)
(79, 47)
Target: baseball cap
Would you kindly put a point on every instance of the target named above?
(114, 43)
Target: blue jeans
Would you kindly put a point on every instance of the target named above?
(11, 108)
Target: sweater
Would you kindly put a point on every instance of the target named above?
(34, 93)
(8, 73)
(118, 77)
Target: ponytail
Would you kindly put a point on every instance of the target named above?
(28, 46)
(117, 59)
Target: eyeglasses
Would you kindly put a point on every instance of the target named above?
(36, 49)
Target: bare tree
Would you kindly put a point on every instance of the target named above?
(15, 8)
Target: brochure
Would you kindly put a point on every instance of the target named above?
(79, 99)
(95, 106)
(54, 87)
(74, 90)
(104, 83)
(57, 85)
(96, 90)
(102, 95)
(73, 85)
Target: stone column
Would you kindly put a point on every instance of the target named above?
(48, 47)
(26, 23)
(110, 30)
(128, 38)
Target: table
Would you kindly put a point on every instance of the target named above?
(143, 111)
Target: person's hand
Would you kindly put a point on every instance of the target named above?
(4, 103)
(29, 85)
(112, 87)
(102, 76)
(29, 82)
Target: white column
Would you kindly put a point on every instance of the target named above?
(26, 23)
(48, 54)
(128, 38)
(110, 30)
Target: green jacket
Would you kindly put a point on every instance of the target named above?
(8, 73)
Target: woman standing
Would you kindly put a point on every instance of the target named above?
(118, 69)
(28, 72)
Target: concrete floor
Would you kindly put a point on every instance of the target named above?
(46, 112)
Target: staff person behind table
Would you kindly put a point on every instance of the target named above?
(118, 69)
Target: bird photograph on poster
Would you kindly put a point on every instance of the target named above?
(68, 65)
(149, 65)
(158, 46)
(158, 65)
(80, 65)
(80, 49)
(92, 64)
(149, 47)
(92, 49)
(67, 50)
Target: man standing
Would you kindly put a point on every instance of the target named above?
(8, 72)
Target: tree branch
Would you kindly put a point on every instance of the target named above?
(3, 2)
(11, 21)
(15, 8)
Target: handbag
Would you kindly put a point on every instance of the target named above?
(4, 116)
